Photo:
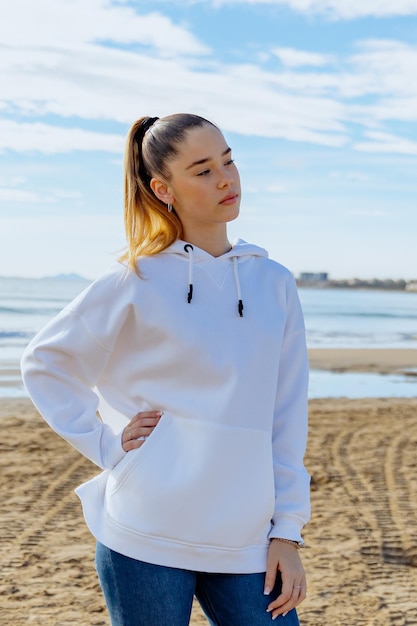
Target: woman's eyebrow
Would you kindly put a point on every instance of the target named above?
(205, 160)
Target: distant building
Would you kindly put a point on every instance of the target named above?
(313, 277)
(411, 285)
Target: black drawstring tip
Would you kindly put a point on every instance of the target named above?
(240, 308)
(190, 294)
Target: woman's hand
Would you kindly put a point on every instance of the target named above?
(139, 428)
(284, 557)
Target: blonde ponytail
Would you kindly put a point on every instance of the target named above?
(150, 144)
(149, 227)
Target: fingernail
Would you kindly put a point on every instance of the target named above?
(267, 591)
(275, 616)
(284, 614)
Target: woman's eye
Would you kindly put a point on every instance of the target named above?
(205, 172)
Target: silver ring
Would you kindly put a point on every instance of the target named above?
(142, 438)
(296, 586)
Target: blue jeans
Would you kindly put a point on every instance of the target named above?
(142, 594)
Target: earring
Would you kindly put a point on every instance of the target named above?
(169, 207)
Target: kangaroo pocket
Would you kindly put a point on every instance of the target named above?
(196, 482)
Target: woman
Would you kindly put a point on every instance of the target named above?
(204, 490)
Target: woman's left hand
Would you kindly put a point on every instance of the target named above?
(285, 558)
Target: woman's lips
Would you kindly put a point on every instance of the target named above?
(230, 199)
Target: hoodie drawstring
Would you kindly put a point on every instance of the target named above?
(239, 293)
(189, 248)
(190, 251)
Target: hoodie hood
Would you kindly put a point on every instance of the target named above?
(240, 251)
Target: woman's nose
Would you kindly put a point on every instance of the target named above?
(225, 178)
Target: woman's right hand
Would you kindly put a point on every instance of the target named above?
(139, 427)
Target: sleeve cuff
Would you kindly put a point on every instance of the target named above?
(287, 528)
(114, 449)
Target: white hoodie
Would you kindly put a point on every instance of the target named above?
(223, 471)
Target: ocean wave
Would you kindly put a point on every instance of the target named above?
(29, 311)
(15, 334)
(363, 314)
(343, 339)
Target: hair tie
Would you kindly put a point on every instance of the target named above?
(146, 124)
(139, 136)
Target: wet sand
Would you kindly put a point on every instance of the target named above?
(379, 360)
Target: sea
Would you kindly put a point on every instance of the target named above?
(335, 318)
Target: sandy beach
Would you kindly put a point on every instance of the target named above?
(361, 554)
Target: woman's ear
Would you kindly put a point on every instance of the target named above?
(161, 191)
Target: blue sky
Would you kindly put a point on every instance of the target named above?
(318, 99)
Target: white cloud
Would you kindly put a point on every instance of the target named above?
(101, 84)
(354, 177)
(387, 143)
(402, 109)
(339, 9)
(77, 76)
(64, 194)
(28, 137)
(391, 64)
(380, 68)
(12, 195)
(59, 23)
(277, 189)
(372, 213)
(13, 181)
(298, 58)
(351, 9)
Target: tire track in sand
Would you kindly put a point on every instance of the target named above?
(45, 502)
(375, 468)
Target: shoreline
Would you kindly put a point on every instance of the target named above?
(367, 360)
(380, 360)
(365, 369)
(360, 543)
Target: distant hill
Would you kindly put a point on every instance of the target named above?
(71, 276)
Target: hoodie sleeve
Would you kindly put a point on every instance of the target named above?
(62, 364)
(292, 482)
